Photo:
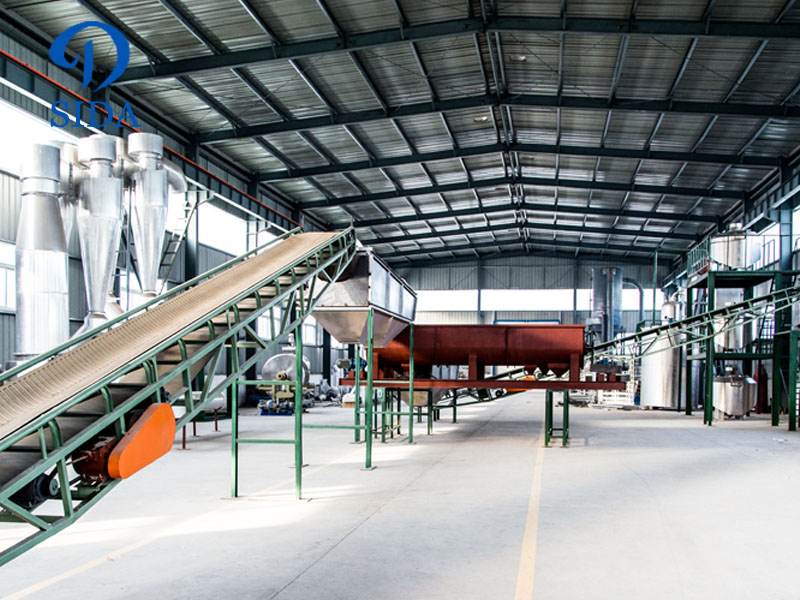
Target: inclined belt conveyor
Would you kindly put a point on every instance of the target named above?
(97, 385)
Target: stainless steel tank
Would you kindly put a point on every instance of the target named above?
(661, 369)
(42, 319)
(734, 395)
(99, 223)
(149, 205)
(738, 337)
(734, 249)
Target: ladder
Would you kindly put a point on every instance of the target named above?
(57, 407)
(191, 201)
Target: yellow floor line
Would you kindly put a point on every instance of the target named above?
(527, 560)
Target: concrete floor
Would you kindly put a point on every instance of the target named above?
(643, 504)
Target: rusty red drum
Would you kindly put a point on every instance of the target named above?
(549, 347)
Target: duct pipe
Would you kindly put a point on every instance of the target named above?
(42, 320)
(99, 222)
(69, 186)
(634, 283)
(175, 177)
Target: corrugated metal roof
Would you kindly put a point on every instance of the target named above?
(592, 69)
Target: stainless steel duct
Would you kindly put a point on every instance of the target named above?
(632, 282)
(175, 177)
(99, 222)
(42, 320)
(69, 186)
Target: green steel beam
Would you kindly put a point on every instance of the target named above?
(461, 152)
(512, 100)
(532, 207)
(457, 27)
(530, 226)
(580, 184)
(545, 243)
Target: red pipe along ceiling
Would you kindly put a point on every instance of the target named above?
(549, 347)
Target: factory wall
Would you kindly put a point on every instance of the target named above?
(522, 273)
(629, 317)
(535, 272)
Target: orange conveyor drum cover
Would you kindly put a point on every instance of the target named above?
(149, 439)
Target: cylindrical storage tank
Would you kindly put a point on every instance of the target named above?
(734, 249)
(661, 375)
(736, 338)
(734, 395)
(42, 319)
(661, 368)
(99, 223)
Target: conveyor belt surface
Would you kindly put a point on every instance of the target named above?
(46, 387)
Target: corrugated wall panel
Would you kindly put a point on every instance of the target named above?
(520, 273)
(629, 317)
(442, 278)
(7, 341)
(9, 207)
(446, 318)
(208, 258)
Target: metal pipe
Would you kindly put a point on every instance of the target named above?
(42, 319)
(655, 283)
(69, 187)
(637, 285)
(368, 399)
(298, 410)
(175, 177)
(411, 383)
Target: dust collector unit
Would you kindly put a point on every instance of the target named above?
(99, 223)
(42, 320)
(149, 202)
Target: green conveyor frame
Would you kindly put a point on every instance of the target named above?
(45, 444)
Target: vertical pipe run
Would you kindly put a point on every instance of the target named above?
(411, 383)
(548, 416)
(792, 382)
(368, 399)
(234, 412)
(357, 394)
(298, 411)
(689, 383)
(708, 402)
